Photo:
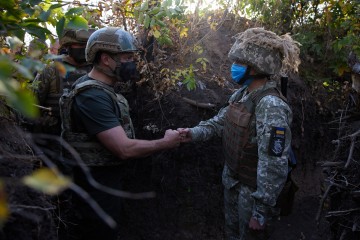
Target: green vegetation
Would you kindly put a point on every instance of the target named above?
(327, 30)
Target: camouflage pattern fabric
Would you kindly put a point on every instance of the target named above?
(262, 59)
(270, 112)
(46, 82)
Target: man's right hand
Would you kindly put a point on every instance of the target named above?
(172, 138)
(185, 135)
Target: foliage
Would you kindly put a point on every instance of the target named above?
(18, 18)
(154, 15)
(327, 30)
(47, 181)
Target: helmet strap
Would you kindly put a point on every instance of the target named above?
(102, 69)
(246, 75)
(256, 76)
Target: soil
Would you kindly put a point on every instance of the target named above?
(187, 180)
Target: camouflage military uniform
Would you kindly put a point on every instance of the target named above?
(48, 86)
(242, 201)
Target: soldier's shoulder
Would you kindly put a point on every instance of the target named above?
(272, 101)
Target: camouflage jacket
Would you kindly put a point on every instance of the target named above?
(272, 171)
(48, 85)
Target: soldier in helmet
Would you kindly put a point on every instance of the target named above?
(255, 129)
(96, 122)
(49, 84)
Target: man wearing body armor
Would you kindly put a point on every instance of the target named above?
(255, 129)
(96, 122)
(50, 83)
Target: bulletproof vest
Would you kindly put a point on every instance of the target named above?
(89, 148)
(241, 155)
(52, 100)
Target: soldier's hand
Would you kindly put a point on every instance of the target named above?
(185, 134)
(172, 137)
(255, 225)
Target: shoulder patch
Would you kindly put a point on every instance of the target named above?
(277, 141)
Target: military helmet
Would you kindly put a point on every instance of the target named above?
(109, 39)
(265, 51)
(71, 36)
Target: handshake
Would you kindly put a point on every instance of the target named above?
(175, 137)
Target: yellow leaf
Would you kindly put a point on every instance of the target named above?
(183, 32)
(4, 208)
(341, 70)
(157, 34)
(45, 180)
(61, 68)
(5, 51)
(213, 26)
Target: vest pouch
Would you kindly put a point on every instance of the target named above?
(92, 153)
(238, 115)
(247, 169)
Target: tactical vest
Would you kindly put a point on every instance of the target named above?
(52, 99)
(89, 148)
(241, 155)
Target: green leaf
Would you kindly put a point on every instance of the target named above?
(154, 11)
(23, 70)
(29, 11)
(32, 20)
(165, 40)
(6, 69)
(19, 33)
(144, 6)
(44, 16)
(60, 26)
(54, 6)
(37, 31)
(152, 23)
(74, 11)
(8, 4)
(141, 17)
(136, 14)
(160, 23)
(24, 102)
(77, 22)
(160, 15)
(147, 21)
(34, 2)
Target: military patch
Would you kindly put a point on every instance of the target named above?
(277, 141)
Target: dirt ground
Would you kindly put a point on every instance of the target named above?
(187, 180)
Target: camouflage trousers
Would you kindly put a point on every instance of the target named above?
(238, 211)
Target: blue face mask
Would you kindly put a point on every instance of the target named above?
(237, 72)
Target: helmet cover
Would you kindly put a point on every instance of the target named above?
(109, 39)
(266, 52)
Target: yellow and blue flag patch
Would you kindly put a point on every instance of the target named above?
(277, 141)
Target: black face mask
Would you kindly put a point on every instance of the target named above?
(78, 54)
(126, 71)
